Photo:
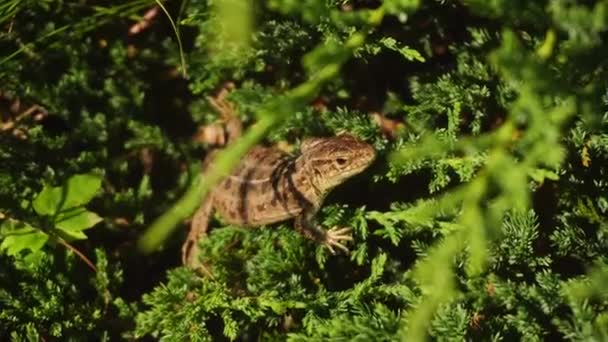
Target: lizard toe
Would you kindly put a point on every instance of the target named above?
(334, 238)
(342, 247)
(330, 248)
(340, 231)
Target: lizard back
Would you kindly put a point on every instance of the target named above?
(265, 188)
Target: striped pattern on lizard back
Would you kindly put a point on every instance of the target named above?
(266, 187)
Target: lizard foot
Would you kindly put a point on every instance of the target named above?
(335, 238)
(191, 259)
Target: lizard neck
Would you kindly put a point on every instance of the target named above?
(304, 179)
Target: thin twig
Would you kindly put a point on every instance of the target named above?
(77, 252)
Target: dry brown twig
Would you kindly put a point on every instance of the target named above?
(14, 110)
(216, 134)
(145, 22)
(389, 127)
(78, 253)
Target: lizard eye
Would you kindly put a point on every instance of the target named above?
(341, 161)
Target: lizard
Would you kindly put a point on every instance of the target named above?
(270, 186)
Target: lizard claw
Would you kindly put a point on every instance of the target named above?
(334, 238)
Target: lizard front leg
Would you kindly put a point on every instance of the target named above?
(331, 239)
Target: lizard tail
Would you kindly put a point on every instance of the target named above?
(198, 229)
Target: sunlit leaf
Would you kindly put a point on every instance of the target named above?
(48, 201)
(78, 190)
(19, 236)
(74, 221)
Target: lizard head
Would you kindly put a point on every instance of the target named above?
(332, 160)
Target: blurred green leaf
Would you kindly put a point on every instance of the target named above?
(18, 236)
(407, 52)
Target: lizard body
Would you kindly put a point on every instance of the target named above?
(270, 186)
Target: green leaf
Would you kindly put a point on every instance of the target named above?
(400, 6)
(73, 221)
(405, 51)
(81, 189)
(78, 190)
(539, 175)
(48, 201)
(18, 236)
(70, 235)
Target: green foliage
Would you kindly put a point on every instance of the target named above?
(61, 212)
(271, 284)
(485, 216)
(58, 298)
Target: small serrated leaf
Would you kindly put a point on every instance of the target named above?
(80, 189)
(378, 264)
(540, 175)
(360, 254)
(48, 201)
(77, 191)
(70, 235)
(73, 221)
(405, 51)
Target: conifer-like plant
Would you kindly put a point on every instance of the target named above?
(484, 217)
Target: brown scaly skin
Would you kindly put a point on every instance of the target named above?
(269, 186)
